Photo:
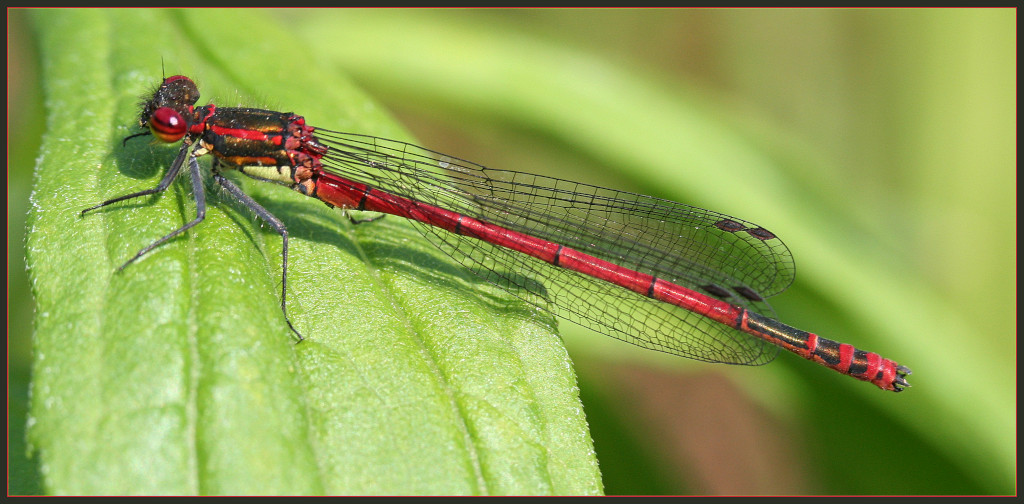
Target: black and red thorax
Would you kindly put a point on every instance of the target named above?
(264, 144)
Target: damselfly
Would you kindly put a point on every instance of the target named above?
(658, 274)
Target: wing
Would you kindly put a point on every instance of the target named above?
(709, 252)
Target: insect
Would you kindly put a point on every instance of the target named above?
(658, 274)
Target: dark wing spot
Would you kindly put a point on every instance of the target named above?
(729, 225)
(717, 291)
(748, 293)
(761, 233)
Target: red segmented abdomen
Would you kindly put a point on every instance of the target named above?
(842, 357)
(846, 359)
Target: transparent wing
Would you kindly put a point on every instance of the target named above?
(713, 253)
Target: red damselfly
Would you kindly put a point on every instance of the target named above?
(658, 274)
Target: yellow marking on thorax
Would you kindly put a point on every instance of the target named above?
(281, 174)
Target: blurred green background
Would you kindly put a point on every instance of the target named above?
(879, 144)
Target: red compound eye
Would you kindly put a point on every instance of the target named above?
(167, 125)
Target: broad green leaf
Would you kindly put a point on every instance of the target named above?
(178, 374)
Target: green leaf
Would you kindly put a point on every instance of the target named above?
(178, 374)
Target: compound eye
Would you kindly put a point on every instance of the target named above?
(167, 125)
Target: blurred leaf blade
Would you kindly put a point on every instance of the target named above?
(853, 253)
